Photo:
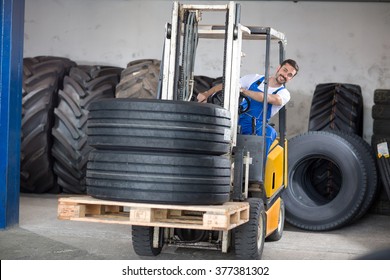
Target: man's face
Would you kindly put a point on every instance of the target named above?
(285, 73)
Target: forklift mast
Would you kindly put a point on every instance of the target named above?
(177, 75)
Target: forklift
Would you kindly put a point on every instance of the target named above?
(254, 211)
(257, 178)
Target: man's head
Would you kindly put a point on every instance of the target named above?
(286, 71)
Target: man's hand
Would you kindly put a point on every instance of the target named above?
(202, 97)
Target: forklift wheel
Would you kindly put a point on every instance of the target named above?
(249, 237)
(277, 234)
(142, 238)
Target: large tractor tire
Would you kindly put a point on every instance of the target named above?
(84, 85)
(139, 80)
(158, 177)
(159, 125)
(337, 107)
(306, 206)
(249, 237)
(42, 77)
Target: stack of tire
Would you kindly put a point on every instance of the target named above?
(158, 151)
(332, 178)
(56, 96)
(380, 142)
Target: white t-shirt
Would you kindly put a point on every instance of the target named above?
(248, 80)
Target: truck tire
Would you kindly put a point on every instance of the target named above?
(158, 177)
(337, 107)
(306, 208)
(84, 85)
(42, 77)
(249, 237)
(142, 238)
(382, 161)
(159, 125)
(139, 79)
(381, 111)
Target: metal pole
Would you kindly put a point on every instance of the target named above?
(11, 50)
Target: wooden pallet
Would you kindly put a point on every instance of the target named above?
(207, 217)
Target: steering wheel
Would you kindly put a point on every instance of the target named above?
(216, 98)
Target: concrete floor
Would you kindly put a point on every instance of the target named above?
(41, 236)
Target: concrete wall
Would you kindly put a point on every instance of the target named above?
(332, 42)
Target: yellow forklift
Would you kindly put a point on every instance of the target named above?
(254, 211)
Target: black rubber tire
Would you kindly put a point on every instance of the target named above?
(381, 127)
(42, 77)
(139, 79)
(367, 155)
(142, 238)
(278, 233)
(381, 111)
(305, 207)
(337, 107)
(249, 237)
(158, 177)
(382, 96)
(159, 125)
(84, 85)
(382, 161)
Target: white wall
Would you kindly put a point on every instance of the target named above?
(332, 42)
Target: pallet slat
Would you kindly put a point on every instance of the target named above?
(207, 217)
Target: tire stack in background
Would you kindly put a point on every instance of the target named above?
(380, 142)
(55, 99)
(333, 177)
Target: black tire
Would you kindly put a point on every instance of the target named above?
(159, 125)
(42, 77)
(84, 85)
(383, 162)
(367, 155)
(249, 237)
(382, 96)
(278, 233)
(158, 177)
(380, 111)
(337, 107)
(142, 238)
(381, 127)
(139, 79)
(306, 208)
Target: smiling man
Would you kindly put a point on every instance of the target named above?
(252, 86)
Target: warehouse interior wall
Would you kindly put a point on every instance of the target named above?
(340, 42)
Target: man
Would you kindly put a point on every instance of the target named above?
(252, 86)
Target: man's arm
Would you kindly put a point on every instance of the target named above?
(202, 97)
(274, 99)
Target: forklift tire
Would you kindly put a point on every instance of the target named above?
(306, 208)
(278, 233)
(249, 237)
(159, 125)
(142, 238)
(158, 177)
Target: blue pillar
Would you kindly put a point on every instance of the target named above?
(11, 58)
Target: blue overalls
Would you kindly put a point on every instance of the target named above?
(256, 111)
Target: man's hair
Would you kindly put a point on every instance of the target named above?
(292, 62)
